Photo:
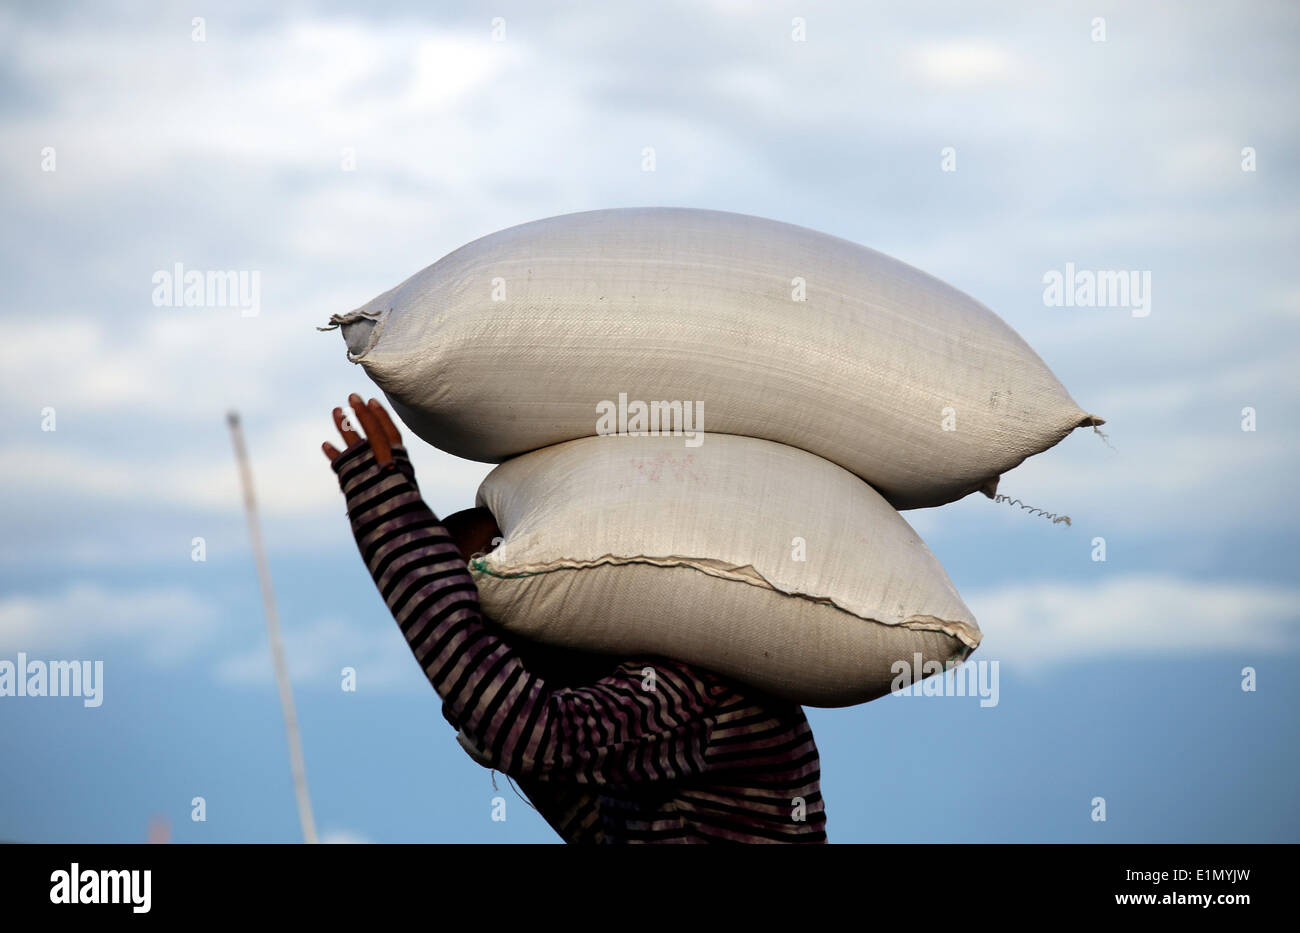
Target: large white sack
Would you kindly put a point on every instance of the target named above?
(633, 545)
(512, 342)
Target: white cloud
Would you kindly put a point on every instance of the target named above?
(285, 93)
(448, 68)
(1208, 162)
(174, 363)
(185, 374)
(964, 63)
(291, 474)
(317, 652)
(292, 478)
(1213, 480)
(1134, 616)
(457, 135)
(165, 623)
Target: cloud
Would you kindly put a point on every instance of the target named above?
(234, 162)
(965, 63)
(284, 92)
(1135, 616)
(1218, 478)
(140, 421)
(165, 623)
(317, 653)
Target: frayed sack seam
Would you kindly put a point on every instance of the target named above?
(379, 317)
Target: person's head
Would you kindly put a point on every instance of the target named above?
(475, 531)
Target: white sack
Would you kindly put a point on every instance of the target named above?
(632, 545)
(666, 304)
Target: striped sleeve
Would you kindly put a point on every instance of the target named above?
(631, 727)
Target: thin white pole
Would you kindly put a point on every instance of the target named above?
(273, 631)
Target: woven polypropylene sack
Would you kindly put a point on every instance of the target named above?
(760, 561)
(516, 341)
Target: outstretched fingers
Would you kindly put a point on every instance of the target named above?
(385, 422)
(342, 422)
(380, 430)
(349, 436)
(375, 432)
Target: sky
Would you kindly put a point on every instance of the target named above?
(334, 150)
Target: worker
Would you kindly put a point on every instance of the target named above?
(608, 749)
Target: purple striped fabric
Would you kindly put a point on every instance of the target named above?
(654, 751)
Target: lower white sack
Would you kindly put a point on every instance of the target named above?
(759, 561)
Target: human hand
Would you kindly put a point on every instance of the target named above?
(375, 421)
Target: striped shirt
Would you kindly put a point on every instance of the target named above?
(654, 751)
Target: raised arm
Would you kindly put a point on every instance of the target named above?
(615, 731)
